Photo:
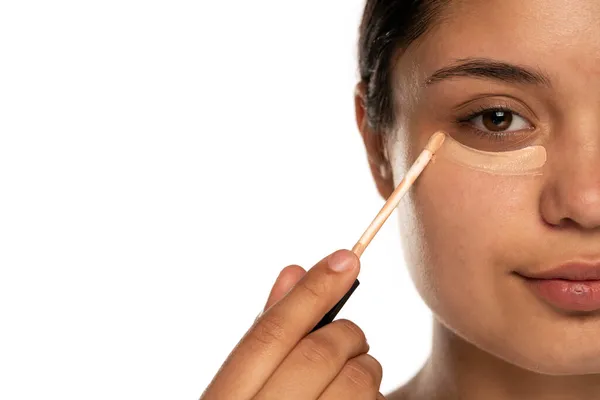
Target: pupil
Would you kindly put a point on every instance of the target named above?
(497, 120)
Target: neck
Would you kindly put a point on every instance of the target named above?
(459, 370)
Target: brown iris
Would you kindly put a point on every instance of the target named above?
(497, 120)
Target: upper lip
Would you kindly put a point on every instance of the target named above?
(572, 271)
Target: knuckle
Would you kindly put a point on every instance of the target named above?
(268, 330)
(318, 350)
(352, 329)
(314, 288)
(377, 368)
(362, 374)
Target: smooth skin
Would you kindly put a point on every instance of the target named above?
(469, 237)
(279, 359)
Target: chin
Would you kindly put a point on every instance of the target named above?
(569, 359)
(526, 335)
(550, 349)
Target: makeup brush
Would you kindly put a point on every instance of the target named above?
(433, 145)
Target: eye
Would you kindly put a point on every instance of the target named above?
(497, 120)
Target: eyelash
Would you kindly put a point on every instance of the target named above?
(496, 136)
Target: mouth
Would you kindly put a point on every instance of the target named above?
(569, 287)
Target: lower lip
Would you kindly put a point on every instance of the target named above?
(568, 295)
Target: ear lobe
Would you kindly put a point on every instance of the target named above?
(374, 144)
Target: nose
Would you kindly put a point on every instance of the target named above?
(571, 196)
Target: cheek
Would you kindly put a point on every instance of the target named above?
(457, 227)
(464, 233)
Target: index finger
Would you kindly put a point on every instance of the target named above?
(280, 328)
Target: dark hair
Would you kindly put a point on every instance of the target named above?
(386, 27)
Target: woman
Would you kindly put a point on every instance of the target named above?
(509, 265)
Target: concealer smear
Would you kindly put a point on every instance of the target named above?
(525, 161)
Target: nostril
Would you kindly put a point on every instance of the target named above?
(567, 223)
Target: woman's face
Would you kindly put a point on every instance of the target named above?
(471, 237)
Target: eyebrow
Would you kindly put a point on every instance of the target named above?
(485, 68)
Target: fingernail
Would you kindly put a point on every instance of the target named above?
(342, 261)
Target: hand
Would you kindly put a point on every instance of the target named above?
(279, 359)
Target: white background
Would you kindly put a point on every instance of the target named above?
(160, 162)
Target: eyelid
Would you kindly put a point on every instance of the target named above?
(510, 138)
(479, 113)
(497, 101)
(469, 115)
(467, 132)
(476, 124)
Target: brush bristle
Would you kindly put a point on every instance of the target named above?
(435, 142)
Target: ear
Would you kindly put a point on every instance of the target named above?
(379, 163)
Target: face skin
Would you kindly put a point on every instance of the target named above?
(466, 233)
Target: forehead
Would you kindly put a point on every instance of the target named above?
(558, 36)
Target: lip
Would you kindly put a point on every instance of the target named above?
(570, 272)
(569, 287)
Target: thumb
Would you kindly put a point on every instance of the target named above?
(287, 278)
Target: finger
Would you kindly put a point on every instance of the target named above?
(359, 379)
(315, 362)
(287, 278)
(276, 332)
